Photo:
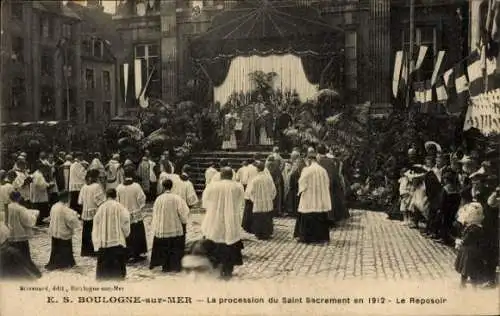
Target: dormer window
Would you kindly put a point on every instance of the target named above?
(98, 48)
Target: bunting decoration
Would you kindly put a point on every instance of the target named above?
(437, 67)
(138, 77)
(461, 82)
(447, 76)
(484, 113)
(441, 93)
(397, 72)
(125, 80)
(421, 56)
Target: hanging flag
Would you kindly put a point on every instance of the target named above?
(461, 82)
(475, 74)
(138, 77)
(125, 80)
(437, 66)
(421, 56)
(397, 72)
(441, 93)
(447, 76)
(496, 22)
(491, 72)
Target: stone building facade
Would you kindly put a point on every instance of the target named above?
(32, 64)
(374, 31)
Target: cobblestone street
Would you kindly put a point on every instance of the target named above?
(367, 246)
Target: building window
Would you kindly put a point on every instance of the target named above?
(89, 79)
(98, 48)
(351, 60)
(106, 80)
(66, 30)
(424, 36)
(18, 49)
(106, 110)
(18, 93)
(89, 112)
(47, 63)
(87, 47)
(16, 10)
(47, 103)
(149, 55)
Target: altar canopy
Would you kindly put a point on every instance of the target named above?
(289, 70)
(260, 28)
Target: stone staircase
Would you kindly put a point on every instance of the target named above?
(199, 162)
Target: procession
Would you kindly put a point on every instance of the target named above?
(269, 140)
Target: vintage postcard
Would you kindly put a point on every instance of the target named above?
(249, 157)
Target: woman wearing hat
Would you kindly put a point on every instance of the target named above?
(470, 259)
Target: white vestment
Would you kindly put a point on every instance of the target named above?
(111, 225)
(261, 191)
(164, 176)
(115, 174)
(314, 191)
(77, 173)
(186, 191)
(90, 197)
(170, 211)
(132, 197)
(63, 221)
(209, 174)
(223, 201)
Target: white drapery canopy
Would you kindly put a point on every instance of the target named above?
(290, 76)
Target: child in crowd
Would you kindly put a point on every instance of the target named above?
(470, 259)
(404, 196)
(450, 202)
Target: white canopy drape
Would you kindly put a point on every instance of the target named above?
(289, 68)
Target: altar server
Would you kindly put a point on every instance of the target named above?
(185, 189)
(91, 196)
(5, 190)
(22, 181)
(312, 224)
(114, 172)
(39, 195)
(131, 195)
(110, 229)
(224, 163)
(96, 164)
(221, 226)
(261, 192)
(21, 223)
(66, 169)
(77, 172)
(170, 215)
(14, 265)
(164, 175)
(210, 172)
(63, 223)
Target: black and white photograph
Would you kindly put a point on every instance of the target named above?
(250, 157)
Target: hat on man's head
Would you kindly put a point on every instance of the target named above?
(416, 171)
(412, 151)
(432, 144)
(115, 156)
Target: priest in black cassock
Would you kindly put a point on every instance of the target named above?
(312, 224)
(111, 227)
(329, 165)
(260, 193)
(221, 226)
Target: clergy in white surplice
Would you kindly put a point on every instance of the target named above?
(223, 201)
(114, 172)
(110, 229)
(63, 223)
(164, 176)
(312, 224)
(77, 173)
(210, 172)
(260, 192)
(223, 164)
(91, 196)
(185, 189)
(22, 181)
(131, 195)
(170, 215)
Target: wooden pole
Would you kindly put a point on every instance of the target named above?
(410, 53)
(488, 22)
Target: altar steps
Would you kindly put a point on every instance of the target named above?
(199, 162)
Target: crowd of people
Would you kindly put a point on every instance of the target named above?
(454, 198)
